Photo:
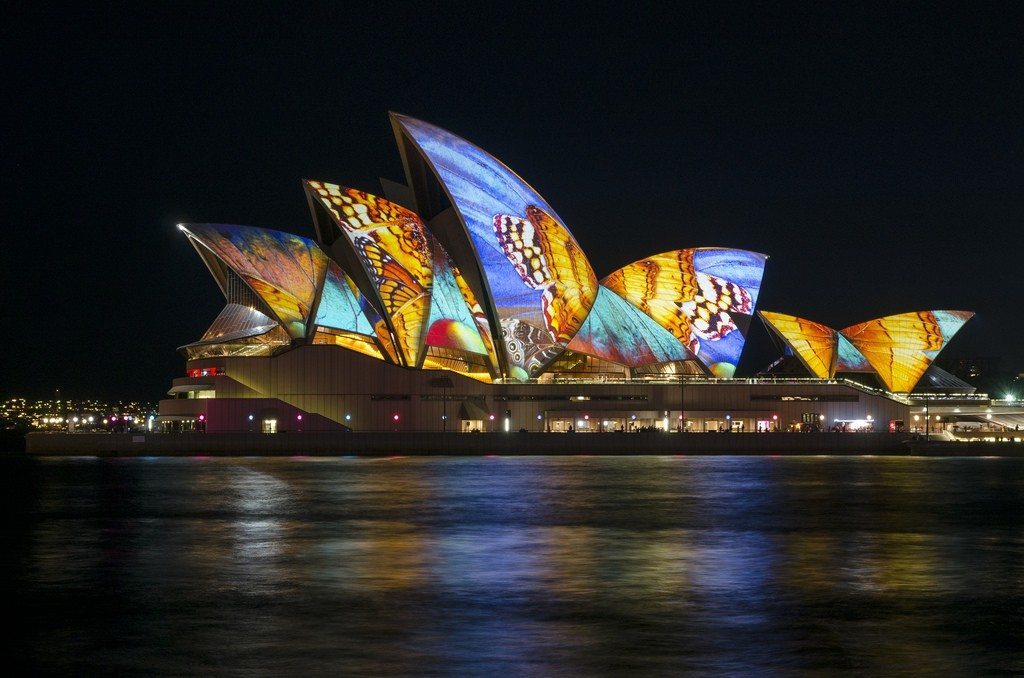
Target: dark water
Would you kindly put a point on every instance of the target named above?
(517, 566)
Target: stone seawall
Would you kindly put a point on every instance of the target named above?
(387, 443)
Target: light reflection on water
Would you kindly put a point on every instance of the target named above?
(534, 565)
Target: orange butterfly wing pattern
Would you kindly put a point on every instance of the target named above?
(357, 210)
(690, 304)
(813, 343)
(901, 347)
(396, 285)
(659, 286)
(547, 258)
(392, 244)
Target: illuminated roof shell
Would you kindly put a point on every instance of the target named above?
(813, 344)
(413, 277)
(901, 347)
(284, 270)
(897, 348)
(704, 297)
(537, 281)
(392, 244)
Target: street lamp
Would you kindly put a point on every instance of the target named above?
(443, 383)
(682, 402)
(927, 425)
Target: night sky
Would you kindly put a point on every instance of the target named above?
(875, 154)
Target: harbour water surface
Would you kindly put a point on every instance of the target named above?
(535, 565)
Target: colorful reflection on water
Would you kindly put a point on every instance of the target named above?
(535, 565)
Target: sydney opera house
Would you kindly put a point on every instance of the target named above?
(460, 301)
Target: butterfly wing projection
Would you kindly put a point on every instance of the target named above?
(340, 316)
(528, 347)
(659, 286)
(901, 347)
(712, 308)
(339, 307)
(393, 246)
(452, 324)
(617, 331)
(548, 259)
(703, 296)
(281, 268)
(483, 190)
(813, 343)
(848, 358)
(479, 317)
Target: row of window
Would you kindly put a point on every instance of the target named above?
(825, 398)
(205, 372)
